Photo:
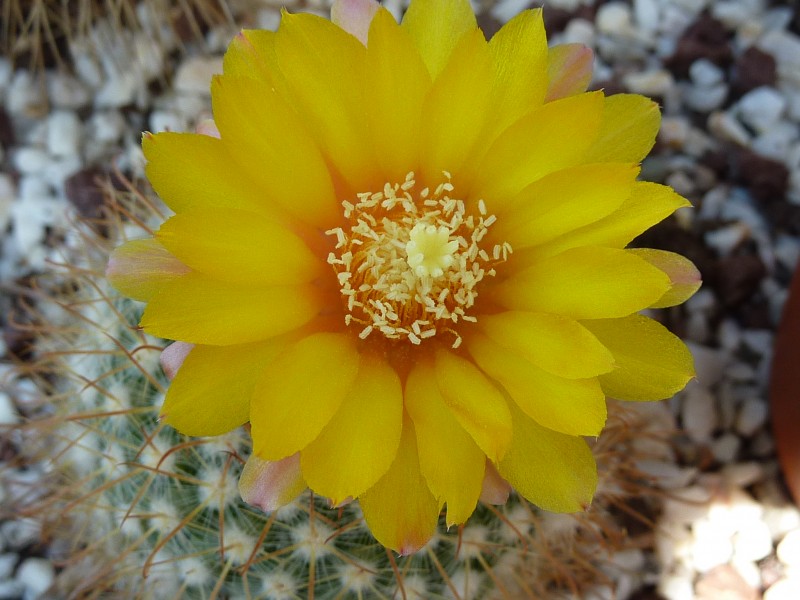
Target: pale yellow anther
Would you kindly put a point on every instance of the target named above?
(429, 251)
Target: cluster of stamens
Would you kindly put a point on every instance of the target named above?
(409, 265)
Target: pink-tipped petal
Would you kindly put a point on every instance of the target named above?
(139, 268)
(684, 276)
(269, 485)
(172, 357)
(495, 489)
(569, 70)
(208, 127)
(354, 16)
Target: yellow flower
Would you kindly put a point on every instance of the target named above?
(402, 260)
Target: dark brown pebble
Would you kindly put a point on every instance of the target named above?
(488, 24)
(7, 137)
(555, 20)
(736, 278)
(705, 38)
(767, 179)
(754, 68)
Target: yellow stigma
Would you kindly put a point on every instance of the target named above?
(429, 251)
(410, 262)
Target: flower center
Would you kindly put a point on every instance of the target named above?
(409, 262)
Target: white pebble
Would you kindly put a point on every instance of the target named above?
(118, 90)
(709, 363)
(8, 412)
(784, 46)
(37, 575)
(614, 18)
(712, 546)
(776, 142)
(752, 416)
(705, 73)
(783, 589)
(732, 13)
(194, 75)
(58, 171)
(752, 542)
(725, 239)
(646, 14)
(698, 413)
(705, 98)
(579, 31)
(674, 131)
(505, 10)
(7, 564)
(23, 95)
(788, 550)
(655, 82)
(761, 108)
(166, 120)
(759, 340)
(20, 532)
(743, 475)
(11, 589)
(725, 127)
(30, 160)
(667, 475)
(677, 587)
(63, 133)
(781, 520)
(107, 126)
(68, 92)
(726, 447)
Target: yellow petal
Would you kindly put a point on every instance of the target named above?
(585, 283)
(569, 70)
(400, 510)
(360, 442)
(139, 268)
(648, 204)
(449, 460)
(556, 472)
(553, 137)
(189, 170)
(201, 310)
(395, 85)
(211, 393)
(557, 344)
(651, 362)
(628, 132)
(456, 108)
(563, 201)
(300, 392)
(684, 277)
(324, 69)
(239, 246)
(475, 402)
(436, 26)
(570, 406)
(269, 485)
(244, 59)
(267, 139)
(519, 60)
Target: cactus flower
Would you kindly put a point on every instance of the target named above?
(399, 254)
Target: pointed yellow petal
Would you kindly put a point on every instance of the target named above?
(354, 16)
(266, 139)
(585, 283)
(570, 406)
(395, 85)
(270, 485)
(360, 442)
(628, 132)
(400, 510)
(563, 201)
(651, 362)
(456, 109)
(239, 246)
(552, 342)
(553, 137)
(519, 60)
(251, 54)
(324, 69)
(201, 310)
(139, 268)
(556, 472)
(300, 392)
(684, 277)
(436, 26)
(211, 393)
(449, 460)
(476, 403)
(648, 204)
(189, 170)
(569, 70)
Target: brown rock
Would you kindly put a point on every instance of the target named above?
(724, 583)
